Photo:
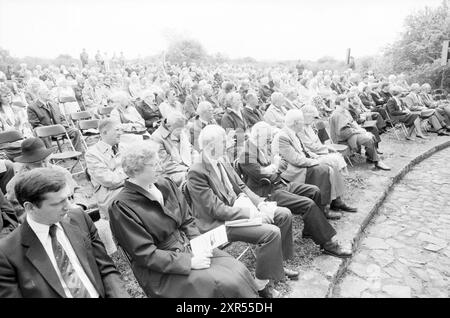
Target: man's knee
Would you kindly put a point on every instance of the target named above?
(283, 213)
(272, 232)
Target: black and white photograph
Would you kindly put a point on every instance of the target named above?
(314, 135)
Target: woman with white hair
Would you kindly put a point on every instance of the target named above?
(154, 225)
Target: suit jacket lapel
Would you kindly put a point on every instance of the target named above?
(78, 245)
(219, 187)
(39, 258)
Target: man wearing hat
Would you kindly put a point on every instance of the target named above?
(35, 155)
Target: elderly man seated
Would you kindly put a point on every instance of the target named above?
(219, 195)
(415, 105)
(251, 111)
(103, 162)
(205, 117)
(233, 121)
(443, 108)
(92, 96)
(300, 166)
(175, 149)
(303, 199)
(126, 114)
(191, 103)
(146, 107)
(346, 130)
(44, 112)
(312, 143)
(371, 121)
(275, 113)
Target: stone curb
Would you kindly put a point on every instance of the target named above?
(357, 239)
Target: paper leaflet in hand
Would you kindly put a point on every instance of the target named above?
(244, 222)
(207, 241)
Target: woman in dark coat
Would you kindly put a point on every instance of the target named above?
(152, 222)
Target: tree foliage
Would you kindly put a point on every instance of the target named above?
(185, 50)
(418, 50)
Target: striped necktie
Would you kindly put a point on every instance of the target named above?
(68, 273)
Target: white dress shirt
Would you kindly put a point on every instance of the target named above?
(42, 232)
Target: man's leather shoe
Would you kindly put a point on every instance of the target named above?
(334, 249)
(382, 166)
(379, 152)
(268, 292)
(291, 274)
(442, 132)
(341, 206)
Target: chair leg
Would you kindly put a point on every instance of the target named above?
(249, 247)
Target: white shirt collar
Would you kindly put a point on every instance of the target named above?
(41, 230)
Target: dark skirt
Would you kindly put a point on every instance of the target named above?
(225, 278)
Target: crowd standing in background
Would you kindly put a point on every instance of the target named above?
(181, 150)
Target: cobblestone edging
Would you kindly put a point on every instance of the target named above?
(357, 240)
(321, 281)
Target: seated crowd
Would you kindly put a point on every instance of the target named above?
(181, 150)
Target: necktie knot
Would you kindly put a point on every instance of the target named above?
(52, 230)
(115, 149)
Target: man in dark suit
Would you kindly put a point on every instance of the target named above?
(8, 218)
(302, 199)
(146, 107)
(44, 112)
(219, 195)
(205, 117)
(251, 113)
(54, 253)
(234, 120)
(191, 103)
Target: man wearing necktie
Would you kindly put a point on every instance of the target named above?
(103, 161)
(175, 149)
(54, 253)
(218, 195)
(44, 112)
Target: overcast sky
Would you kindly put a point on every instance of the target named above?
(263, 29)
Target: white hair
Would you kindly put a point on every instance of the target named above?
(210, 134)
(292, 116)
(260, 128)
(120, 96)
(137, 154)
(146, 93)
(202, 107)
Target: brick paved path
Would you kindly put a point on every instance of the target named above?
(406, 251)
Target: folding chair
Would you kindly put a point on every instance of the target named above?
(10, 136)
(76, 117)
(394, 121)
(104, 112)
(88, 128)
(59, 133)
(343, 149)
